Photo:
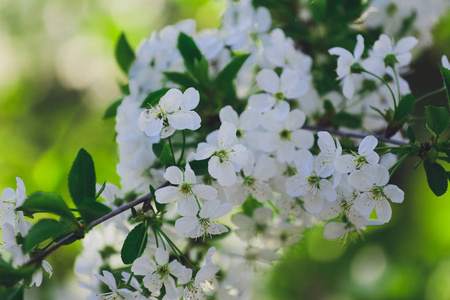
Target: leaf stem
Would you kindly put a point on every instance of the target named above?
(173, 154)
(182, 149)
(430, 94)
(385, 83)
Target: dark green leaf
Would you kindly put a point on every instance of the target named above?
(188, 50)
(111, 111)
(41, 231)
(46, 202)
(225, 77)
(200, 167)
(82, 178)
(133, 212)
(124, 53)
(125, 89)
(12, 293)
(159, 206)
(134, 244)
(166, 156)
(436, 178)
(405, 108)
(10, 276)
(201, 71)
(157, 149)
(411, 134)
(347, 120)
(182, 79)
(153, 98)
(437, 118)
(92, 210)
(250, 205)
(446, 76)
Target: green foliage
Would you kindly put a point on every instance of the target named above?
(250, 205)
(436, 177)
(9, 276)
(157, 149)
(134, 244)
(41, 202)
(82, 181)
(12, 293)
(405, 108)
(446, 76)
(348, 120)
(41, 231)
(101, 190)
(224, 80)
(111, 111)
(437, 119)
(124, 53)
(411, 134)
(189, 51)
(82, 178)
(182, 79)
(200, 167)
(166, 157)
(153, 98)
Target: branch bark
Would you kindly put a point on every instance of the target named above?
(117, 211)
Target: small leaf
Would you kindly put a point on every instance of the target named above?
(200, 167)
(188, 50)
(157, 149)
(12, 293)
(182, 79)
(82, 178)
(134, 244)
(437, 118)
(446, 75)
(125, 89)
(250, 205)
(159, 206)
(153, 98)
(405, 108)
(46, 202)
(228, 74)
(166, 156)
(41, 231)
(111, 111)
(92, 210)
(124, 53)
(201, 71)
(436, 178)
(411, 134)
(347, 120)
(133, 212)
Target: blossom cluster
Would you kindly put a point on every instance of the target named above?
(243, 168)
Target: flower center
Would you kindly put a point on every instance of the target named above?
(186, 188)
(239, 133)
(279, 96)
(163, 271)
(222, 155)
(285, 134)
(377, 192)
(313, 180)
(249, 180)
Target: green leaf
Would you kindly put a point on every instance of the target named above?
(201, 71)
(250, 205)
(347, 120)
(166, 156)
(153, 98)
(446, 76)
(405, 108)
(188, 50)
(12, 293)
(436, 178)
(200, 167)
(82, 178)
(182, 79)
(228, 74)
(157, 149)
(134, 244)
(111, 111)
(124, 53)
(411, 134)
(9, 276)
(41, 231)
(437, 118)
(46, 202)
(159, 206)
(125, 88)
(92, 210)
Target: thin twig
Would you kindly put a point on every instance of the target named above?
(117, 211)
(353, 135)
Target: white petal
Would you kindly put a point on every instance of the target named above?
(393, 193)
(261, 102)
(281, 110)
(268, 81)
(263, 215)
(209, 208)
(302, 139)
(405, 44)
(187, 206)
(238, 155)
(334, 230)
(359, 48)
(384, 211)
(249, 120)
(223, 210)
(205, 191)
(174, 175)
(227, 136)
(348, 86)
(364, 203)
(167, 194)
(181, 120)
(345, 163)
(189, 175)
(185, 225)
(204, 151)
(144, 265)
(367, 144)
(227, 114)
(161, 256)
(295, 119)
(171, 100)
(190, 99)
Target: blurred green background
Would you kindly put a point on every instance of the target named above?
(57, 76)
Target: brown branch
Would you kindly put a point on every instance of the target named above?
(353, 135)
(117, 211)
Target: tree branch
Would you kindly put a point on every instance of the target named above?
(353, 135)
(117, 211)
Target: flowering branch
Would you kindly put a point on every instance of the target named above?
(353, 135)
(117, 211)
